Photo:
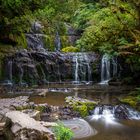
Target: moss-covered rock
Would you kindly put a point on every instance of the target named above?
(70, 49)
(83, 106)
(133, 99)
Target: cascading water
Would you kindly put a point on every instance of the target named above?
(21, 75)
(110, 114)
(10, 68)
(105, 113)
(88, 67)
(57, 42)
(76, 69)
(109, 68)
(81, 66)
(115, 66)
(105, 69)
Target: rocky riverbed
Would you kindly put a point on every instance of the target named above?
(20, 118)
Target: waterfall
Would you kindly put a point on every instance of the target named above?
(105, 69)
(109, 68)
(21, 75)
(58, 72)
(57, 42)
(88, 67)
(115, 67)
(10, 69)
(43, 74)
(81, 66)
(76, 69)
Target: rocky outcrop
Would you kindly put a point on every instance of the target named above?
(83, 106)
(23, 127)
(40, 67)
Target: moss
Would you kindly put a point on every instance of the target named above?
(40, 108)
(82, 109)
(21, 40)
(64, 41)
(132, 101)
(70, 49)
(82, 106)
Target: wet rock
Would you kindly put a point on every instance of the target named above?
(59, 113)
(121, 112)
(43, 92)
(43, 67)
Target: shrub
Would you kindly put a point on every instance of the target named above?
(62, 132)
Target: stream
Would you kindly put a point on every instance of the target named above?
(108, 127)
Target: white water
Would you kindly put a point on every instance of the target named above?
(82, 69)
(76, 68)
(21, 75)
(109, 68)
(10, 69)
(105, 69)
(106, 114)
(57, 42)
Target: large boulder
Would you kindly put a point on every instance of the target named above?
(23, 127)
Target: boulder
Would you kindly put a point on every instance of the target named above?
(23, 127)
(33, 113)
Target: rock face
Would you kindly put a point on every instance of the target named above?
(39, 67)
(25, 128)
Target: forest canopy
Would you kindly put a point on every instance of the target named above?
(107, 26)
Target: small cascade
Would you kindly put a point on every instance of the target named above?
(105, 113)
(82, 69)
(21, 75)
(58, 72)
(109, 68)
(105, 69)
(10, 69)
(57, 42)
(88, 67)
(110, 113)
(43, 75)
(76, 69)
(115, 66)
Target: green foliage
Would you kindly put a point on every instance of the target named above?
(83, 15)
(106, 26)
(40, 108)
(83, 108)
(62, 132)
(70, 49)
(133, 99)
